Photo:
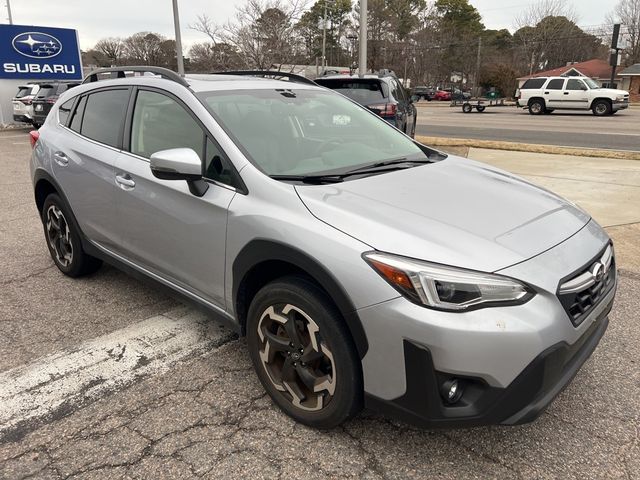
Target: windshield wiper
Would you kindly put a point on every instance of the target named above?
(339, 177)
(395, 162)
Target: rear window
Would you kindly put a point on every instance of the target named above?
(46, 91)
(362, 91)
(23, 92)
(533, 83)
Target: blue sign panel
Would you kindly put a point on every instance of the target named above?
(39, 53)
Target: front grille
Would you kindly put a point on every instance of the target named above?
(580, 294)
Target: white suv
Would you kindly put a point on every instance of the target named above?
(546, 94)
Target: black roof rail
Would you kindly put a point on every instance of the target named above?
(121, 72)
(292, 77)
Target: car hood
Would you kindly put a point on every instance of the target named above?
(612, 91)
(456, 212)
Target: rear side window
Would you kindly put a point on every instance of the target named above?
(160, 123)
(104, 116)
(76, 121)
(556, 84)
(64, 111)
(362, 91)
(533, 83)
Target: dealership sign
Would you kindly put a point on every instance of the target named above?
(30, 52)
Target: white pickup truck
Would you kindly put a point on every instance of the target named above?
(542, 95)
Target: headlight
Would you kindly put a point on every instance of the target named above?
(447, 288)
(619, 98)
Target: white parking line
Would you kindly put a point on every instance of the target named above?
(77, 375)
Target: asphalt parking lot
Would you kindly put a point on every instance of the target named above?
(511, 124)
(156, 391)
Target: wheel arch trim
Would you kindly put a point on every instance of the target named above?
(260, 250)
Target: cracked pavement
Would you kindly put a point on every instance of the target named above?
(206, 415)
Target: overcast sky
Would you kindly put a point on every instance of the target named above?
(108, 18)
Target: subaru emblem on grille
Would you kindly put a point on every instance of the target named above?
(598, 271)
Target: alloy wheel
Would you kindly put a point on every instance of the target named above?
(59, 236)
(298, 363)
(601, 108)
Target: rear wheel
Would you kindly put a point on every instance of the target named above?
(548, 111)
(466, 108)
(480, 109)
(536, 106)
(63, 239)
(601, 108)
(303, 354)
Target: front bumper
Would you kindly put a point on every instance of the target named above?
(514, 360)
(21, 118)
(620, 105)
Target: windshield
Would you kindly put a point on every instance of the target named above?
(306, 132)
(592, 84)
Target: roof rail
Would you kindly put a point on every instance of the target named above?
(121, 72)
(291, 77)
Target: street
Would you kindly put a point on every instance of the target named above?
(105, 377)
(511, 124)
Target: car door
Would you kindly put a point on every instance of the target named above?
(166, 229)
(576, 94)
(553, 93)
(84, 151)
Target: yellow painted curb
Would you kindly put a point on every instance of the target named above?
(528, 147)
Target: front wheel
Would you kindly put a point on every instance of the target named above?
(601, 108)
(303, 353)
(63, 239)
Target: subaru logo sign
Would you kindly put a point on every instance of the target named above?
(37, 45)
(30, 53)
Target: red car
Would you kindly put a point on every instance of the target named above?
(442, 95)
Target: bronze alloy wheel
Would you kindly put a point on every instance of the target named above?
(297, 361)
(59, 236)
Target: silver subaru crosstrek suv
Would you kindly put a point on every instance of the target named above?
(364, 268)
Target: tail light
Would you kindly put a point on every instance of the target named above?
(34, 135)
(385, 109)
(52, 99)
(26, 101)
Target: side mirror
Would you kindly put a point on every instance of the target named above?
(179, 164)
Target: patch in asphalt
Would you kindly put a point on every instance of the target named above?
(55, 385)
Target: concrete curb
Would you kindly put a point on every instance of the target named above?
(528, 147)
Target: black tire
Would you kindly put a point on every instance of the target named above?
(335, 354)
(466, 108)
(548, 111)
(601, 108)
(63, 240)
(481, 109)
(536, 106)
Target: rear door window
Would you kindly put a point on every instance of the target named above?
(555, 84)
(104, 116)
(533, 83)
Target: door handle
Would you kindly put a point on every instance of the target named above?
(546, 93)
(61, 159)
(125, 181)
(566, 93)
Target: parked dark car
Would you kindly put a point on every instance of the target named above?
(46, 97)
(382, 94)
(424, 93)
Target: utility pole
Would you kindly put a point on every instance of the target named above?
(613, 59)
(324, 38)
(362, 61)
(9, 12)
(176, 24)
(476, 84)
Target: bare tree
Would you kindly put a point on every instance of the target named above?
(627, 12)
(145, 48)
(261, 32)
(112, 48)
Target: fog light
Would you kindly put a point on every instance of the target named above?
(452, 391)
